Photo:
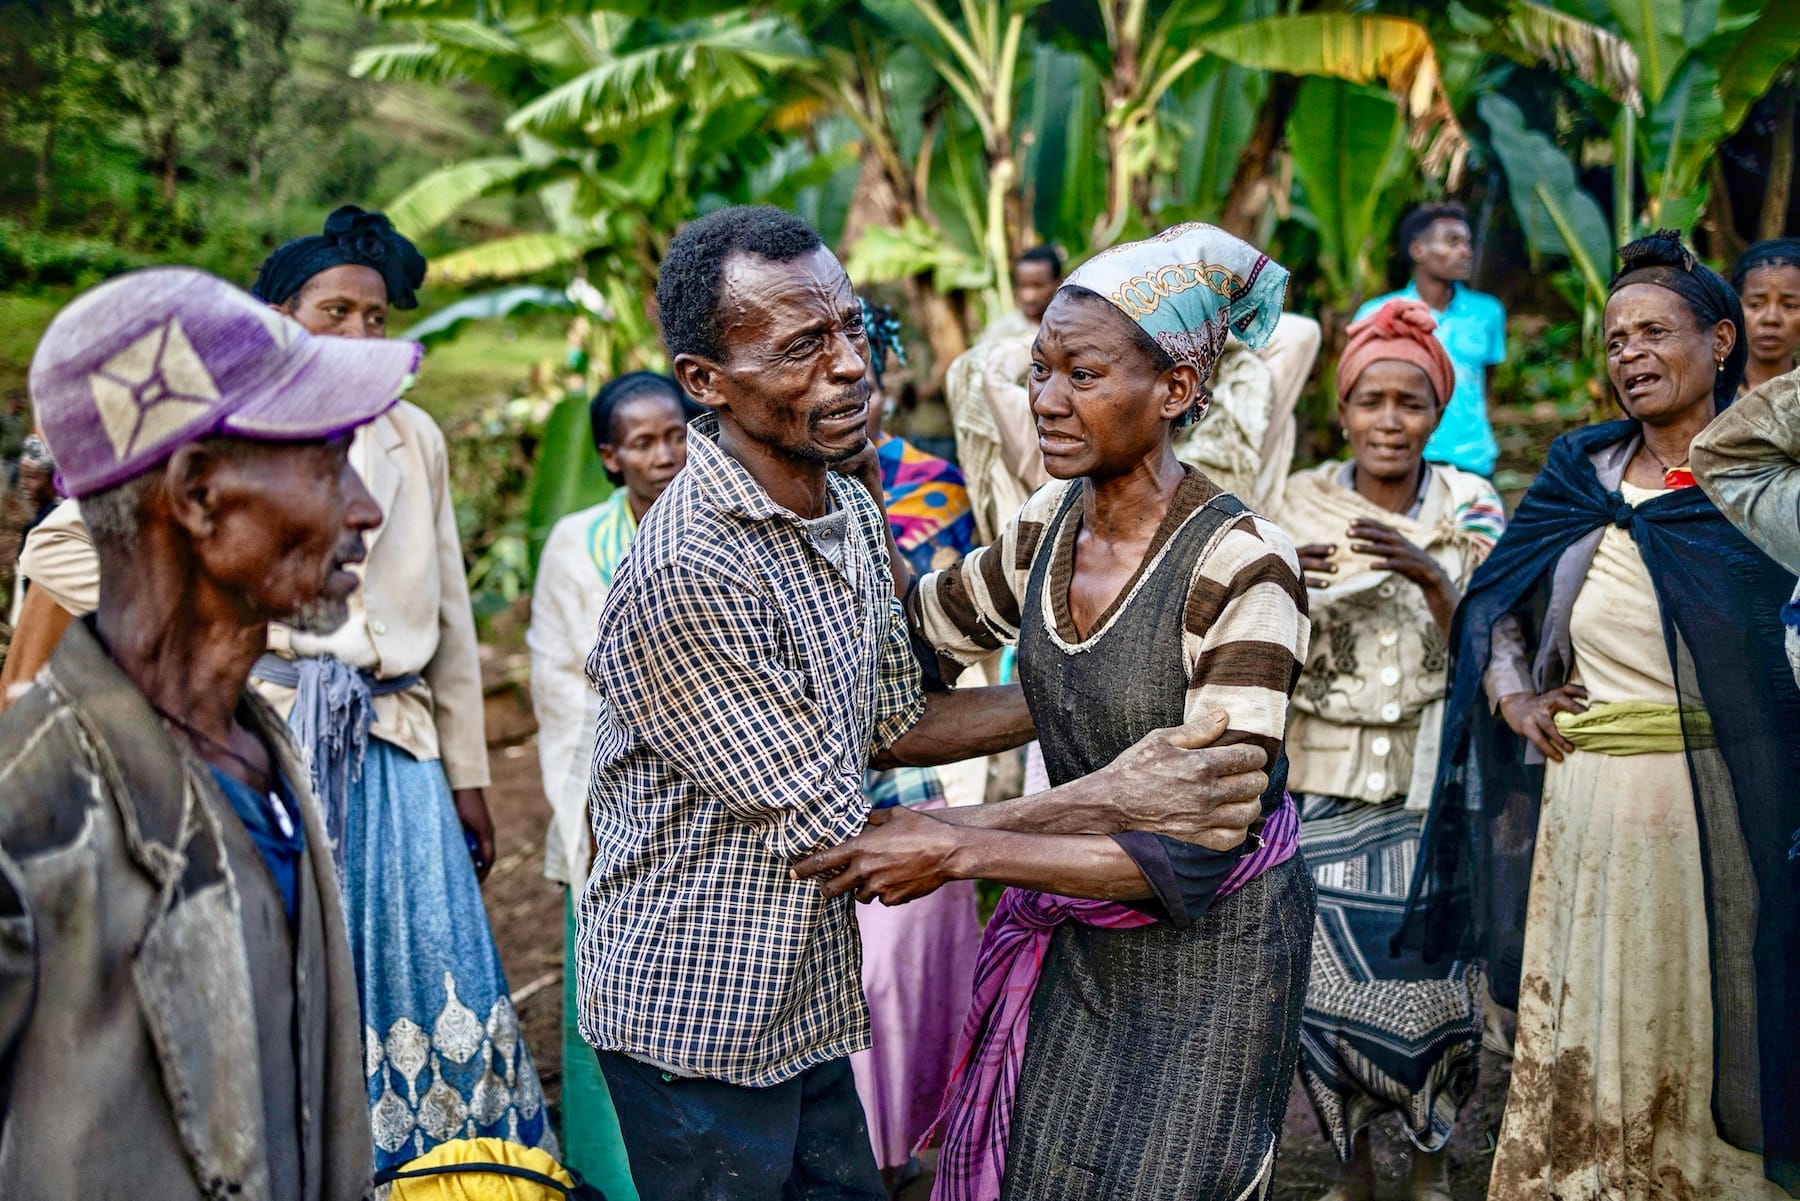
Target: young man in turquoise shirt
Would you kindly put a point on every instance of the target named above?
(1472, 326)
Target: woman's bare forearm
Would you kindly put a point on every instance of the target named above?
(1088, 866)
(964, 723)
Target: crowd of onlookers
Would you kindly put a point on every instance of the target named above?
(1343, 771)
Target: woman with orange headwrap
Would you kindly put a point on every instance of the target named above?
(1387, 542)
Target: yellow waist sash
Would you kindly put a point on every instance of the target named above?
(1637, 728)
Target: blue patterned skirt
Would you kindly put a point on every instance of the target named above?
(444, 1055)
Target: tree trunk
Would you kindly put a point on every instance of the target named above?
(941, 319)
(42, 170)
(1778, 194)
(169, 149)
(1248, 197)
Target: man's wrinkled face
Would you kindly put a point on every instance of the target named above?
(794, 373)
(288, 521)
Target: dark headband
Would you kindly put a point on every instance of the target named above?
(1662, 261)
(1773, 252)
(633, 384)
(354, 238)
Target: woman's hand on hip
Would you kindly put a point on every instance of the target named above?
(1533, 717)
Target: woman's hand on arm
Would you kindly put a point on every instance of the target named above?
(903, 855)
(1533, 717)
(1172, 781)
(1393, 552)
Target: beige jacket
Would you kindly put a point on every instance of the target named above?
(1366, 711)
(411, 614)
(157, 1011)
(1748, 461)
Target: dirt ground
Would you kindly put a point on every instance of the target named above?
(526, 912)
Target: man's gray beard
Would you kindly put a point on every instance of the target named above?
(322, 616)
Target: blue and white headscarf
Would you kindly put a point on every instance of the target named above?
(1187, 287)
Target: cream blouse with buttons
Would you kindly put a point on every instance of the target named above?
(1377, 662)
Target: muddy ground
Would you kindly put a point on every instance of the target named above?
(526, 912)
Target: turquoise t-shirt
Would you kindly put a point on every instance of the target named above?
(1473, 330)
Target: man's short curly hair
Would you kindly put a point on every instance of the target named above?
(688, 285)
(1419, 222)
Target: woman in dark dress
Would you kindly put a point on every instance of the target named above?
(1137, 1002)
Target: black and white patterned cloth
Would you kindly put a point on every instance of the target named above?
(746, 670)
(1379, 1033)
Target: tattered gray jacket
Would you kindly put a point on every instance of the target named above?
(165, 1035)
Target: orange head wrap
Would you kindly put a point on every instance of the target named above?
(1399, 329)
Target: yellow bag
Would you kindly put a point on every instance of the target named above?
(485, 1169)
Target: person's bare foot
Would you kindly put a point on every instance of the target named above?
(1431, 1176)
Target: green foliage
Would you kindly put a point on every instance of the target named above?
(32, 261)
(567, 475)
(1558, 217)
(1349, 149)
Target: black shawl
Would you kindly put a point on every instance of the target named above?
(1721, 601)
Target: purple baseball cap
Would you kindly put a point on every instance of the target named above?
(155, 359)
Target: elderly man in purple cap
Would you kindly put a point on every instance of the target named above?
(178, 1010)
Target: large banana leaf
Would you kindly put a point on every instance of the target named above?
(447, 322)
(1394, 51)
(1748, 59)
(1597, 56)
(1349, 148)
(567, 474)
(1657, 31)
(632, 89)
(432, 199)
(1558, 216)
(510, 258)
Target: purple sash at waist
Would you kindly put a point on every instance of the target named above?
(976, 1120)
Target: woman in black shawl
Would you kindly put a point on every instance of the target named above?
(1621, 781)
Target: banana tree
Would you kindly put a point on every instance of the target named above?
(1676, 78)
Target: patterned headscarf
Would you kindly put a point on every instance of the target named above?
(351, 237)
(1186, 287)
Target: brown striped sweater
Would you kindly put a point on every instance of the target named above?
(1246, 630)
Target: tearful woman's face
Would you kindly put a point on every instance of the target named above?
(1103, 405)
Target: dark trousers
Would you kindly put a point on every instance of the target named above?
(805, 1139)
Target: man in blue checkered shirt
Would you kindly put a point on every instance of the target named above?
(752, 663)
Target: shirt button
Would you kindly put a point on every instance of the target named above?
(1390, 637)
(380, 627)
(1376, 782)
(1390, 713)
(1381, 745)
(1390, 676)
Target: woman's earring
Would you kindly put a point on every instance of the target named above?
(1721, 366)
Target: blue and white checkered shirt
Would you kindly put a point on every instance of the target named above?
(744, 680)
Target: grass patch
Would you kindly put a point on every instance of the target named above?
(22, 322)
(488, 361)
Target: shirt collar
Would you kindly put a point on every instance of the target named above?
(729, 485)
